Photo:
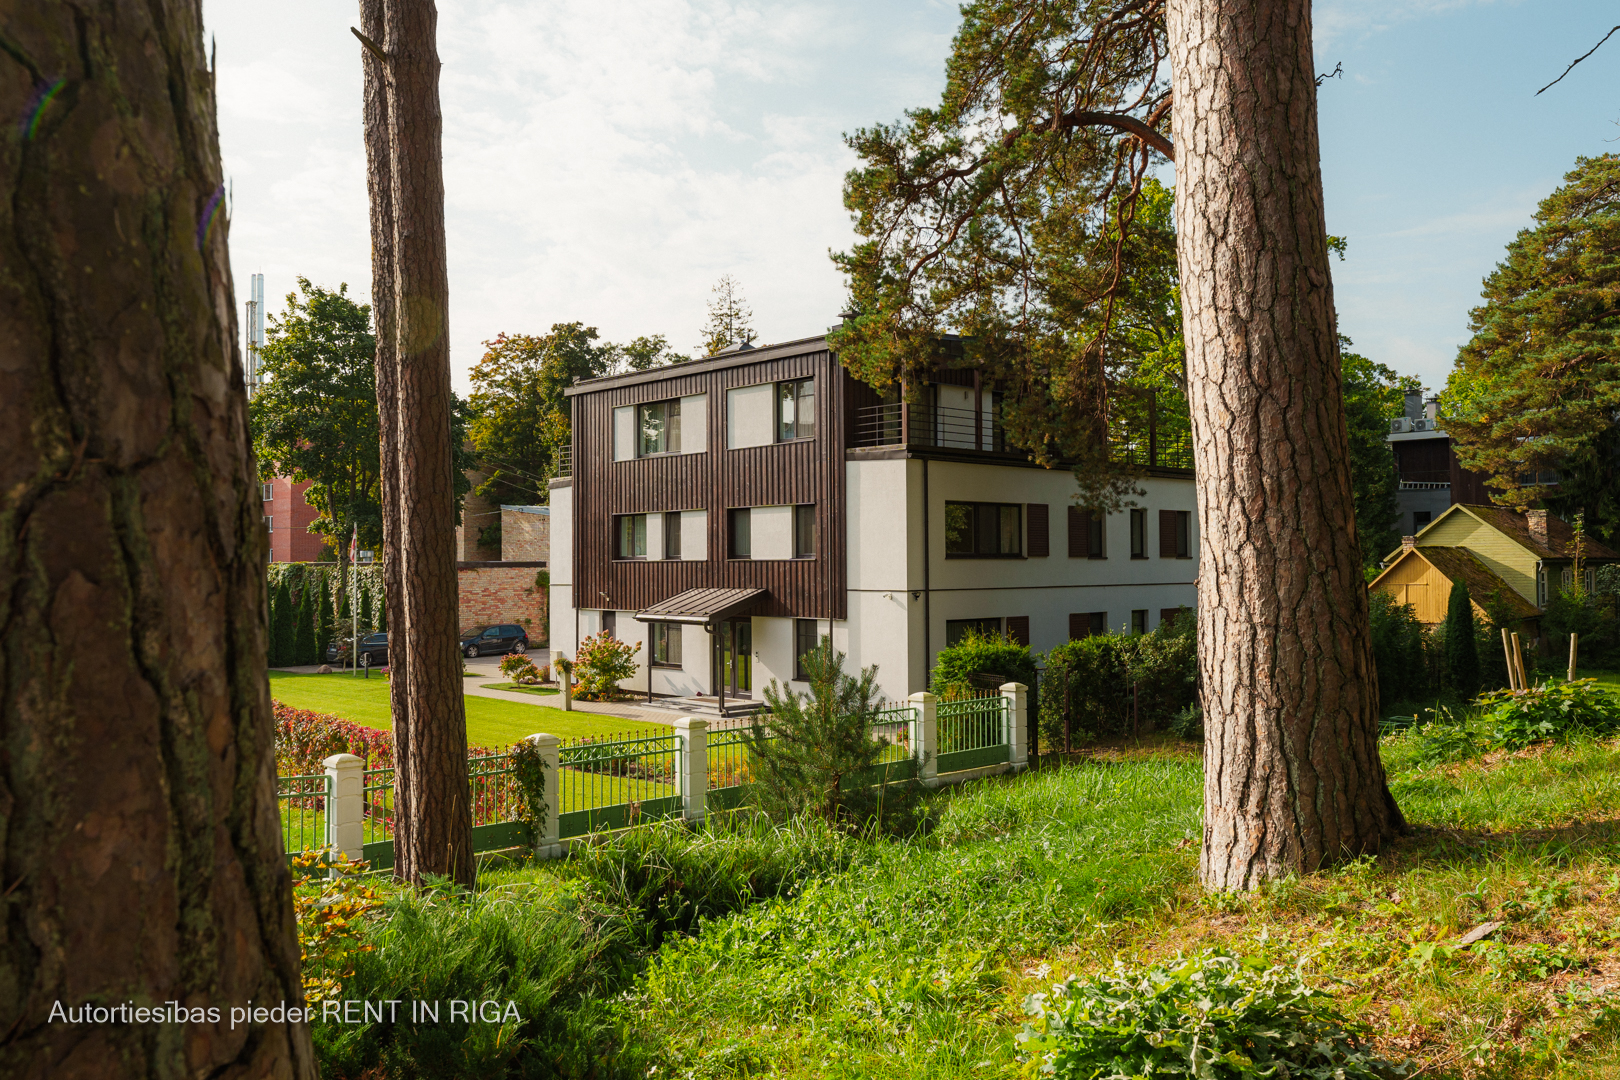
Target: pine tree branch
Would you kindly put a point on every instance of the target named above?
(1085, 118)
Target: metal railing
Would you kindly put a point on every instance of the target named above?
(301, 801)
(729, 761)
(610, 782)
(972, 724)
(377, 795)
(892, 727)
(563, 457)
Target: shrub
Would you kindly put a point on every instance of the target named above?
(980, 654)
(304, 739)
(1089, 679)
(601, 663)
(519, 668)
(283, 620)
(1462, 642)
(1398, 650)
(1550, 712)
(1572, 611)
(1443, 736)
(1213, 1017)
(814, 754)
(1188, 724)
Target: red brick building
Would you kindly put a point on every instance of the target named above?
(287, 517)
(503, 592)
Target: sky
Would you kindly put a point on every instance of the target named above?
(607, 162)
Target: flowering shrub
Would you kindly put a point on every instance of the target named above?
(519, 668)
(601, 662)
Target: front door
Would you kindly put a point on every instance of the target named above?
(737, 657)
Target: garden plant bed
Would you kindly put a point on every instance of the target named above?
(819, 955)
(521, 688)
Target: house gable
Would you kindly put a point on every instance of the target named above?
(1502, 555)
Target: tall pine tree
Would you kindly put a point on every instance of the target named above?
(1462, 647)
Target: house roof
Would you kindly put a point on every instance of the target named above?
(1560, 534)
(706, 606)
(1460, 564)
(756, 354)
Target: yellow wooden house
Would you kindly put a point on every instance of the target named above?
(1523, 557)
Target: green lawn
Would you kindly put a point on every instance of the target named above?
(490, 721)
(519, 688)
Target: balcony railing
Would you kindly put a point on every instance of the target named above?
(564, 458)
(1136, 435)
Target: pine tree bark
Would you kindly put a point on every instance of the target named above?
(432, 772)
(140, 850)
(1293, 779)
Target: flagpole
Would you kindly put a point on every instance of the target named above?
(354, 600)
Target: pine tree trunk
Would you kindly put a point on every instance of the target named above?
(433, 764)
(140, 850)
(1292, 774)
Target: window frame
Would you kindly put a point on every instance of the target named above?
(799, 435)
(1000, 625)
(1139, 621)
(799, 651)
(733, 515)
(977, 530)
(802, 513)
(268, 490)
(672, 427)
(1139, 533)
(619, 523)
(662, 633)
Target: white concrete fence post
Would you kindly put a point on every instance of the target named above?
(925, 734)
(693, 731)
(345, 806)
(547, 845)
(1016, 717)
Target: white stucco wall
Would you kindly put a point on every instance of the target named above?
(560, 565)
(624, 433)
(655, 536)
(694, 535)
(771, 532)
(751, 415)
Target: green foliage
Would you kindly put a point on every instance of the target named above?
(1536, 388)
(1398, 641)
(1446, 735)
(1211, 1017)
(283, 625)
(1573, 611)
(305, 649)
(325, 624)
(813, 754)
(980, 654)
(1087, 691)
(731, 320)
(367, 622)
(601, 662)
(1372, 394)
(519, 416)
(1554, 711)
(1462, 641)
(529, 770)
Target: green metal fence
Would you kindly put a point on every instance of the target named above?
(730, 768)
(972, 733)
(302, 803)
(609, 782)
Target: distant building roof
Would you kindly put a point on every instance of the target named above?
(1560, 534)
(528, 509)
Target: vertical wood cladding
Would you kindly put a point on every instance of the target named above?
(808, 471)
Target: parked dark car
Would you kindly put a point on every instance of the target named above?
(372, 646)
(494, 638)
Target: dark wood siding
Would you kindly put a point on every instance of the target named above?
(1040, 530)
(808, 471)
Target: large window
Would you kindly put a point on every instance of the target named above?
(1139, 621)
(267, 491)
(630, 536)
(739, 538)
(983, 530)
(1086, 623)
(672, 535)
(658, 427)
(1138, 534)
(795, 409)
(805, 640)
(804, 532)
(666, 644)
(1087, 534)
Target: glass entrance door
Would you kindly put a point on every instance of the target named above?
(737, 657)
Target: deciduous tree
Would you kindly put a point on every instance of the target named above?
(142, 862)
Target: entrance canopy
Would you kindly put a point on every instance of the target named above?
(703, 606)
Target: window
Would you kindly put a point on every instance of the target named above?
(739, 542)
(1541, 585)
(795, 409)
(269, 524)
(1139, 621)
(666, 644)
(1040, 532)
(630, 532)
(957, 629)
(1087, 534)
(267, 491)
(1169, 615)
(1018, 630)
(658, 428)
(1175, 534)
(1138, 534)
(672, 535)
(610, 623)
(1421, 518)
(1086, 623)
(804, 532)
(805, 640)
(983, 530)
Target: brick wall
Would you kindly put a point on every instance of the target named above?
(290, 516)
(525, 533)
(476, 513)
(491, 593)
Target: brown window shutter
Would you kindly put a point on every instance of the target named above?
(1018, 629)
(1079, 626)
(1079, 533)
(1167, 615)
(1040, 532)
(1167, 534)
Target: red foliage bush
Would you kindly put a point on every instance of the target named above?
(304, 739)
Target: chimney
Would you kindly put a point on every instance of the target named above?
(1536, 520)
(1408, 543)
(1414, 405)
(1431, 408)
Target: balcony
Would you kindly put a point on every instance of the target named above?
(563, 459)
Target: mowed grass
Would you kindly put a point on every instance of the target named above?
(916, 959)
(491, 722)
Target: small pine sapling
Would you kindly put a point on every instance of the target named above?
(814, 755)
